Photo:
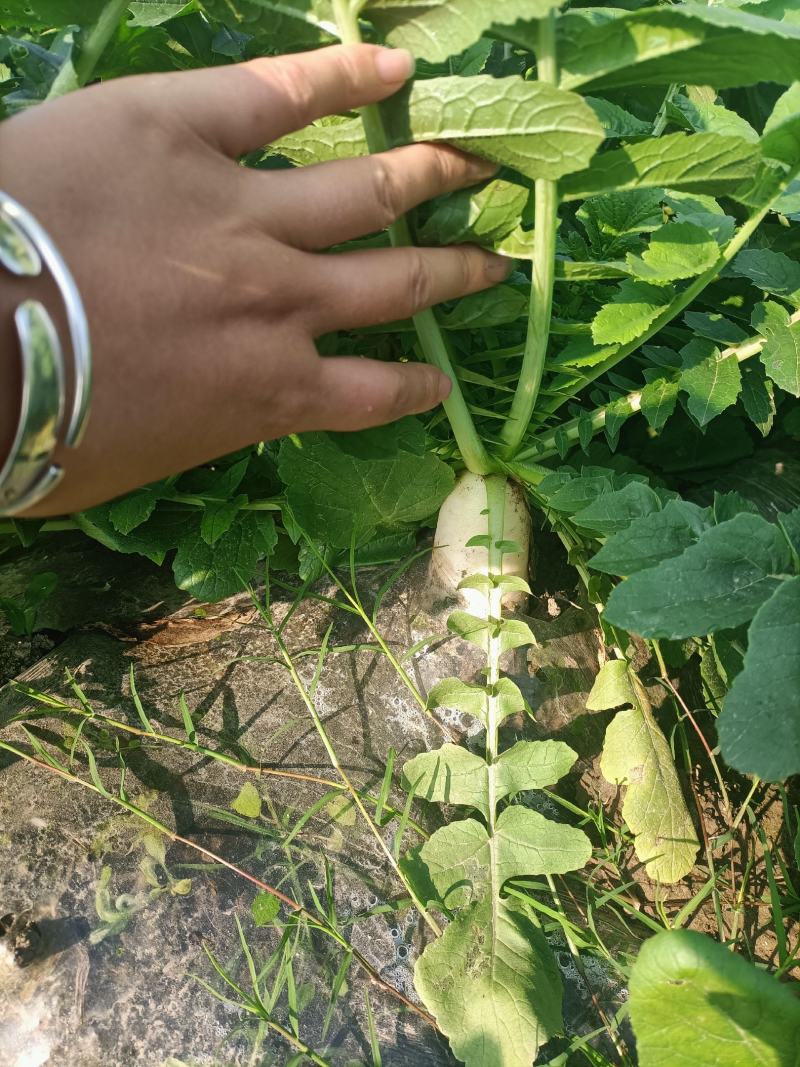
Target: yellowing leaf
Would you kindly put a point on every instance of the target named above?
(248, 802)
(637, 754)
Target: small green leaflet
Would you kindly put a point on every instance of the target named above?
(616, 510)
(717, 583)
(482, 216)
(771, 271)
(471, 699)
(637, 754)
(678, 250)
(781, 137)
(264, 909)
(512, 633)
(699, 162)
(711, 380)
(218, 517)
(459, 855)
(694, 1003)
(715, 327)
(335, 496)
(132, 510)
(248, 802)
(758, 396)
(615, 120)
(781, 352)
(611, 687)
(634, 306)
(213, 571)
(648, 540)
(676, 44)
(436, 29)
(493, 307)
(452, 775)
(493, 985)
(759, 728)
(538, 130)
(657, 401)
(707, 117)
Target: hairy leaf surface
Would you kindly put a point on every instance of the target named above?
(493, 985)
(637, 754)
(694, 1003)
(759, 728)
(717, 583)
(648, 540)
(538, 130)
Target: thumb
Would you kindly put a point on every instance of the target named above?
(353, 394)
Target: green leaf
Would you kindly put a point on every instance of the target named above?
(248, 802)
(758, 396)
(452, 775)
(279, 25)
(538, 130)
(154, 12)
(781, 353)
(480, 216)
(652, 538)
(771, 271)
(658, 399)
(265, 908)
(694, 1002)
(708, 117)
(615, 120)
(711, 380)
(717, 583)
(700, 163)
(632, 308)
(322, 141)
(637, 754)
(44, 14)
(611, 687)
(759, 727)
(335, 496)
(492, 307)
(715, 327)
(678, 250)
(781, 138)
(459, 855)
(493, 986)
(218, 517)
(132, 510)
(153, 539)
(471, 699)
(676, 44)
(510, 633)
(211, 572)
(437, 29)
(616, 510)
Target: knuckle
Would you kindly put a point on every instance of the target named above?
(386, 192)
(420, 281)
(467, 268)
(290, 80)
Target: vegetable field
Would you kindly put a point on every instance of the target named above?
(622, 443)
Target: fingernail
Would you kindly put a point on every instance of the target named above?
(445, 387)
(394, 65)
(498, 267)
(483, 168)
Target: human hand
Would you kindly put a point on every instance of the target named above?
(202, 279)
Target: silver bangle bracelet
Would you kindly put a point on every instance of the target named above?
(29, 472)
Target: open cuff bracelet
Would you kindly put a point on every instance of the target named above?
(29, 472)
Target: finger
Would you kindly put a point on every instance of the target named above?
(241, 107)
(384, 285)
(356, 393)
(318, 206)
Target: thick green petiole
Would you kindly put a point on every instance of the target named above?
(543, 272)
(74, 76)
(431, 340)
